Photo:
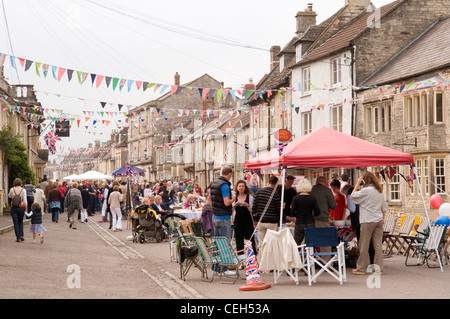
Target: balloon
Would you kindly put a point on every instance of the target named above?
(442, 220)
(444, 210)
(436, 201)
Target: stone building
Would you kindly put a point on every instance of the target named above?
(20, 110)
(408, 109)
(157, 125)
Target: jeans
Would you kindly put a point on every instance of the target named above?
(17, 214)
(55, 214)
(222, 227)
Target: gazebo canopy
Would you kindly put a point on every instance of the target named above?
(93, 175)
(127, 169)
(326, 147)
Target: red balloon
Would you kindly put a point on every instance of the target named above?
(436, 201)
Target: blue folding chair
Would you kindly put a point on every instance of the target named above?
(324, 237)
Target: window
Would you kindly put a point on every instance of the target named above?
(335, 71)
(438, 108)
(409, 112)
(336, 118)
(161, 156)
(439, 175)
(424, 109)
(298, 53)
(425, 179)
(169, 156)
(306, 120)
(306, 80)
(378, 118)
(394, 186)
(281, 63)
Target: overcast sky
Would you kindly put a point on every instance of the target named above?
(146, 40)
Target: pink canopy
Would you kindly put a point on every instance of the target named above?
(326, 147)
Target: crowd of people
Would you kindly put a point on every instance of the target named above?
(227, 210)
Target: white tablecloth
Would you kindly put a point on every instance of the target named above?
(190, 214)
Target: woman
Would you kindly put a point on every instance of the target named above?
(242, 216)
(54, 202)
(372, 207)
(303, 209)
(18, 207)
(206, 218)
(39, 196)
(114, 200)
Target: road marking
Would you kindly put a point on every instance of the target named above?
(159, 283)
(175, 287)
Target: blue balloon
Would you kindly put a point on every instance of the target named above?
(442, 220)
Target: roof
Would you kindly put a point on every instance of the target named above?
(428, 52)
(343, 38)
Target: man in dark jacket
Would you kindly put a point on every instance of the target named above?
(222, 200)
(270, 218)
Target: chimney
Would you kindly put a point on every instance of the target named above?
(305, 19)
(358, 3)
(249, 86)
(274, 59)
(97, 143)
(177, 79)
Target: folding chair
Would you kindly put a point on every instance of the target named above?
(324, 237)
(173, 222)
(398, 238)
(388, 229)
(421, 232)
(227, 257)
(209, 255)
(431, 249)
(187, 254)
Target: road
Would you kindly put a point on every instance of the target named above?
(92, 262)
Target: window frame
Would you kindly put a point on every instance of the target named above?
(306, 86)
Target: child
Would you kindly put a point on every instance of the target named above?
(36, 222)
(339, 212)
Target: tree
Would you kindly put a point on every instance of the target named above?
(14, 156)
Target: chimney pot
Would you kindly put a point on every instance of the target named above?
(177, 78)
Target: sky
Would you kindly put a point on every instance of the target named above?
(143, 40)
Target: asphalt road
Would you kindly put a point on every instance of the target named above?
(93, 262)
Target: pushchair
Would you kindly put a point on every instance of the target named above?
(145, 225)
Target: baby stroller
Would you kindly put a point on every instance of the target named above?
(146, 225)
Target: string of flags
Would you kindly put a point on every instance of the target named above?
(58, 73)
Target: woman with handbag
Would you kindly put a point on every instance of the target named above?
(54, 202)
(18, 196)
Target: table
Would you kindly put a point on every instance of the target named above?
(190, 214)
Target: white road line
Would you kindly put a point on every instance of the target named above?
(159, 283)
(183, 284)
(104, 239)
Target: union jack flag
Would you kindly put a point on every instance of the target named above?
(252, 270)
(280, 148)
(50, 139)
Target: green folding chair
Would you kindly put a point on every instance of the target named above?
(209, 256)
(228, 258)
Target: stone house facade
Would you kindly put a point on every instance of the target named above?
(405, 106)
(157, 125)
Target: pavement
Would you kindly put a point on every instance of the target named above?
(6, 223)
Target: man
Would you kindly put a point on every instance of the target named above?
(271, 217)
(325, 199)
(164, 193)
(92, 194)
(289, 194)
(73, 204)
(222, 201)
(157, 207)
(344, 181)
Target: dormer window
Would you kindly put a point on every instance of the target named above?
(298, 52)
(281, 63)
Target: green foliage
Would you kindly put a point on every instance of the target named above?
(14, 156)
